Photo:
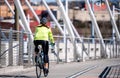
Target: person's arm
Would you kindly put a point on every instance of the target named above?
(51, 36)
(35, 33)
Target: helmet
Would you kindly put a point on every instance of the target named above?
(43, 20)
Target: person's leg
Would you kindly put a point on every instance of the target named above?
(46, 57)
(36, 50)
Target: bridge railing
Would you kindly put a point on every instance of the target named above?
(16, 48)
(91, 50)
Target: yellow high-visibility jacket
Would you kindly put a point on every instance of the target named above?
(43, 33)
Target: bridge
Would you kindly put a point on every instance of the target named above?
(73, 56)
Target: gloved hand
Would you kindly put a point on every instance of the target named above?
(52, 44)
(52, 47)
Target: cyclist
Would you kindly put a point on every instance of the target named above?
(42, 36)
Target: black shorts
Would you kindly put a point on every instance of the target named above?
(44, 43)
(45, 47)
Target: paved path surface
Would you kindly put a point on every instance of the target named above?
(88, 69)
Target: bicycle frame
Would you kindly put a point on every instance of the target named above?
(40, 62)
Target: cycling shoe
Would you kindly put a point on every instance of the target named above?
(46, 71)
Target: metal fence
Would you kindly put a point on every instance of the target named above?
(91, 49)
(16, 48)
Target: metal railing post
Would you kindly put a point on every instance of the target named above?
(29, 49)
(66, 53)
(0, 44)
(95, 49)
(113, 47)
(100, 48)
(83, 59)
(110, 49)
(21, 48)
(89, 48)
(10, 52)
(74, 50)
(58, 50)
(32, 51)
(116, 49)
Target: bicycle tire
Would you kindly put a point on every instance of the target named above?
(38, 71)
(38, 67)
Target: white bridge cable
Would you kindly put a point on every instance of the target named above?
(68, 24)
(78, 37)
(30, 7)
(65, 18)
(9, 7)
(113, 20)
(14, 13)
(97, 30)
(23, 18)
(74, 30)
(53, 17)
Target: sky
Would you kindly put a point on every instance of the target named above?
(68, 0)
(46, 0)
(49, 0)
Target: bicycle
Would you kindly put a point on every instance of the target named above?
(40, 63)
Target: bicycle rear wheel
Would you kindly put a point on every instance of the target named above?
(38, 71)
(38, 68)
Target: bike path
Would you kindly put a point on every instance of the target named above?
(88, 69)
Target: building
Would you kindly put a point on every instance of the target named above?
(11, 2)
(101, 14)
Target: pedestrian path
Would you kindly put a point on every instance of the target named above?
(88, 69)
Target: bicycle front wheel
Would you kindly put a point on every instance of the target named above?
(38, 71)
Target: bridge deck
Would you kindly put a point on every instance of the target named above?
(103, 68)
